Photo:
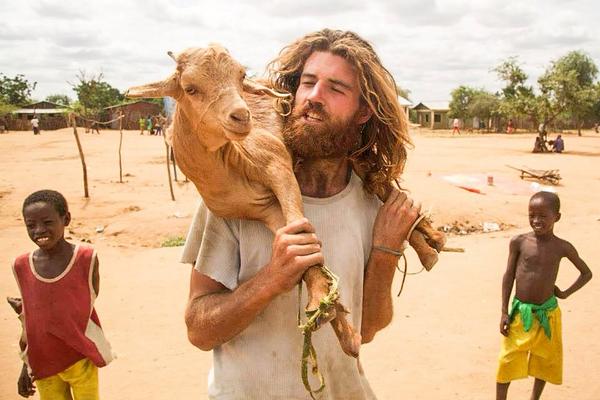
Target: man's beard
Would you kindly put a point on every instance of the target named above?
(331, 138)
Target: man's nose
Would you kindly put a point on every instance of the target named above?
(316, 93)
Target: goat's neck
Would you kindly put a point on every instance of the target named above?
(184, 125)
(322, 177)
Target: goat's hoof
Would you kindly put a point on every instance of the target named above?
(349, 339)
(351, 345)
(428, 258)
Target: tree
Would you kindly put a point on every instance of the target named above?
(61, 99)
(15, 91)
(517, 98)
(568, 87)
(6, 108)
(94, 94)
(485, 106)
(461, 98)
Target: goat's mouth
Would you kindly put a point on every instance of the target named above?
(236, 133)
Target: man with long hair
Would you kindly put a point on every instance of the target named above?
(344, 117)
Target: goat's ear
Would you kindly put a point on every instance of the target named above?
(253, 87)
(168, 87)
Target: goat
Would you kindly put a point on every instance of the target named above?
(227, 140)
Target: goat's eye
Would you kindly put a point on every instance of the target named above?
(191, 90)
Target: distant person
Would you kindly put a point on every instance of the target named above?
(149, 125)
(95, 127)
(158, 126)
(532, 344)
(63, 344)
(540, 145)
(510, 128)
(455, 126)
(559, 145)
(35, 124)
(142, 122)
(596, 127)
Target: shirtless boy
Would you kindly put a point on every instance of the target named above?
(532, 344)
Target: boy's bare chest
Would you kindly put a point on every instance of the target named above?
(542, 257)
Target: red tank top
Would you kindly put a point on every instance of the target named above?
(61, 325)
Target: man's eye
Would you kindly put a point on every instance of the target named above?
(307, 83)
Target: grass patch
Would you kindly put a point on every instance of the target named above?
(174, 241)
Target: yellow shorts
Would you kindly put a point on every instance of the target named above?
(81, 378)
(532, 353)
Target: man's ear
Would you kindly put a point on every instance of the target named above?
(364, 113)
(557, 217)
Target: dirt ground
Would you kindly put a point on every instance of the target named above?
(443, 341)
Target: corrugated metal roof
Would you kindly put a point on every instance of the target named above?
(436, 105)
(41, 111)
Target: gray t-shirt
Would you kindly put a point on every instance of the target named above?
(263, 361)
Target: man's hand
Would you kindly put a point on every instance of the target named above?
(25, 386)
(559, 293)
(504, 324)
(295, 249)
(394, 220)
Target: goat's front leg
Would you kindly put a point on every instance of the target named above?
(287, 191)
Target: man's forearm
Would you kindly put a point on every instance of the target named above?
(216, 318)
(377, 293)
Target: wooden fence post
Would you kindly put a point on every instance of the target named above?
(169, 170)
(120, 145)
(85, 182)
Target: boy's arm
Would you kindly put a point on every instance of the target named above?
(585, 274)
(96, 276)
(25, 386)
(507, 282)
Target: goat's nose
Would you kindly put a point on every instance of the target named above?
(240, 115)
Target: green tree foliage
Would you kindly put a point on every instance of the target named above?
(516, 98)
(15, 91)
(62, 99)
(468, 102)
(94, 94)
(461, 99)
(485, 106)
(6, 108)
(568, 87)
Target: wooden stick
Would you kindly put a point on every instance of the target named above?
(173, 162)
(454, 249)
(169, 171)
(85, 181)
(120, 145)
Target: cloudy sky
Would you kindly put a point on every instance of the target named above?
(430, 46)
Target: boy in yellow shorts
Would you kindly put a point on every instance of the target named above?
(532, 344)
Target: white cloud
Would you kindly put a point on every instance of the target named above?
(431, 46)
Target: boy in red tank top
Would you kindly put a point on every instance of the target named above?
(63, 344)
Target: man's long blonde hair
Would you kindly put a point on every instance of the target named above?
(382, 153)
